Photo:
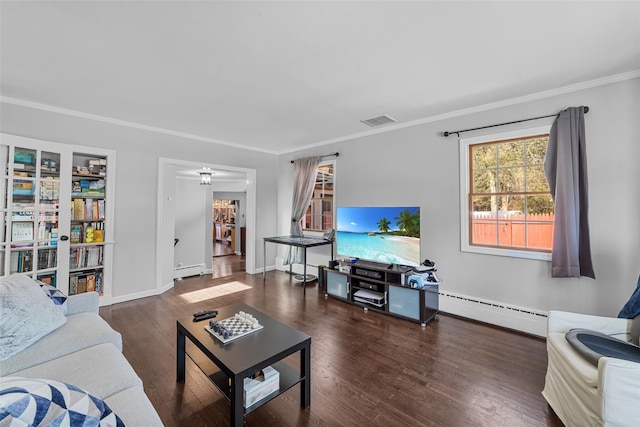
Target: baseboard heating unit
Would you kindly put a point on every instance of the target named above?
(496, 313)
(187, 270)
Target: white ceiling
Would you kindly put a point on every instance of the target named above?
(280, 76)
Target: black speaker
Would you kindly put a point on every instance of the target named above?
(333, 264)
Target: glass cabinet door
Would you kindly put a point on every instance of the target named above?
(30, 212)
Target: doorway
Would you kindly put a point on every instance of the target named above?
(169, 170)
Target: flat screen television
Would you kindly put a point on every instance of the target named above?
(383, 234)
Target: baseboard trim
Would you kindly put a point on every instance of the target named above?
(521, 319)
(138, 295)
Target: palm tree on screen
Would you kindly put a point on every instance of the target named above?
(383, 225)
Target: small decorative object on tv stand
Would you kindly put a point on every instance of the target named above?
(382, 289)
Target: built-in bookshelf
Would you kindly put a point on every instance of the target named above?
(56, 214)
(86, 235)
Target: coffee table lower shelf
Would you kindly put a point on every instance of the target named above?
(288, 378)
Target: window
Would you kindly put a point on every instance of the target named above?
(319, 215)
(508, 209)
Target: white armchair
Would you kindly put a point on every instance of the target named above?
(582, 394)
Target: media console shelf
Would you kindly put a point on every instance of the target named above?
(383, 289)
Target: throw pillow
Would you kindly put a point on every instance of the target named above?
(26, 314)
(632, 308)
(40, 402)
(57, 297)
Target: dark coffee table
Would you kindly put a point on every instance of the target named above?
(227, 365)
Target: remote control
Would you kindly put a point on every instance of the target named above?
(205, 316)
(202, 313)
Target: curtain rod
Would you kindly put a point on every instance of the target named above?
(326, 155)
(458, 132)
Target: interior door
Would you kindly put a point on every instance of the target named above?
(34, 225)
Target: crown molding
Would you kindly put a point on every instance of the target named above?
(481, 108)
(456, 113)
(113, 121)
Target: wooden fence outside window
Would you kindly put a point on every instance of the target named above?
(532, 231)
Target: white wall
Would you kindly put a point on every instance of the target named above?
(418, 166)
(165, 243)
(138, 152)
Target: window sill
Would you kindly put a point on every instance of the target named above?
(512, 253)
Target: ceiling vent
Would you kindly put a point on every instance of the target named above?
(379, 121)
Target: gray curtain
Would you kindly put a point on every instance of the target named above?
(565, 167)
(305, 173)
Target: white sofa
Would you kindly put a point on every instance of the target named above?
(86, 353)
(582, 394)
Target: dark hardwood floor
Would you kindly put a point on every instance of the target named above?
(366, 368)
(222, 249)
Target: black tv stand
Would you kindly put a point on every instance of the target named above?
(384, 289)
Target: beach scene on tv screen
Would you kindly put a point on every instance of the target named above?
(388, 235)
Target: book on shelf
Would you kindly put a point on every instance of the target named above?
(98, 184)
(53, 235)
(91, 282)
(76, 233)
(47, 258)
(24, 157)
(78, 209)
(23, 216)
(98, 237)
(49, 279)
(82, 284)
(86, 256)
(89, 192)
(49, 189)
(76, 190)
(23, 187)
(21, 261)
(21, 231)
(73, 285)
(88, 205)
(87, 208)
(99, 281)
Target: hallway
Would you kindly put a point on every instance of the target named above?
(221, 249)
(225, 262)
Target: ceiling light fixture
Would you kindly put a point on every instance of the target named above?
(205, 176)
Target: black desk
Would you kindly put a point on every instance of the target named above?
(227, 365)
(300, 242)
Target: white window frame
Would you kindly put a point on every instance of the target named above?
(316, 233)
(464, 194)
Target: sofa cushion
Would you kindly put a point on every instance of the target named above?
(81, 331)
(577, 369)
(102, 370)
(84, 302)
(35, 401)
(134, 408)
(27, 314)
(58, 298)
